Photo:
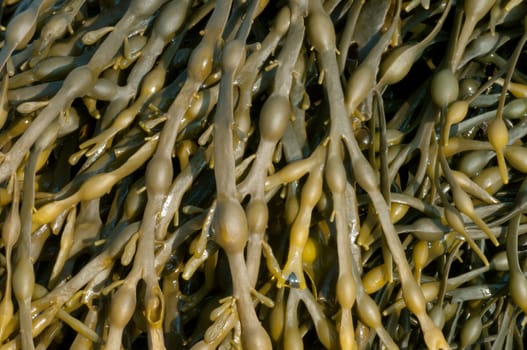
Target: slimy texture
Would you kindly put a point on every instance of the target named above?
(259, 174)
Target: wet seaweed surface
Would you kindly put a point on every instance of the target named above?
(340, 174)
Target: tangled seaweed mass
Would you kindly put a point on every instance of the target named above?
(340, 174)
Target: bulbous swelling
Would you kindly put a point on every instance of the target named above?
(444, 88)
(274, 118)
(230, 226)
(180, 174)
